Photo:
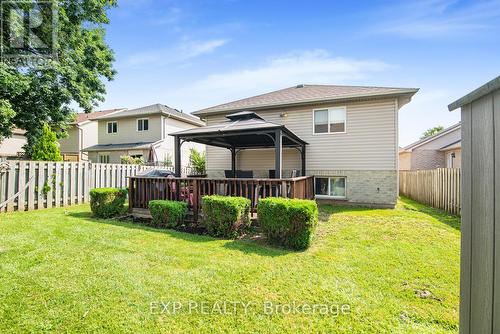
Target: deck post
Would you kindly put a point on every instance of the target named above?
(303, 157)
(177, 156)
(233, 161)
(277, 153)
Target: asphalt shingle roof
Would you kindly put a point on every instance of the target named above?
(156, 109)
(303, 94)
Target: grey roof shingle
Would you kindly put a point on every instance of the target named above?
(155, 109)
(303, 94)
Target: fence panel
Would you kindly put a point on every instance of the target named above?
(439, 188)
(32, 185)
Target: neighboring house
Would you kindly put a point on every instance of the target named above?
(142, 133)
(13, 146)
(442, 150)
(82, 134)
(352, 136)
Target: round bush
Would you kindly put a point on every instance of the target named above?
(107, 202)
(288, 222)
(225, 216)
(167, 214)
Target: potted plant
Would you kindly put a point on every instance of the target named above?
(197, 163)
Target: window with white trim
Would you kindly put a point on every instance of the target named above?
(334, 186)
(112, 127)
(331, 120)
(142, 124)
(104, 158)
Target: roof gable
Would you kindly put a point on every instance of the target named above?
(429, 139)
(156, 109)
(303, 94)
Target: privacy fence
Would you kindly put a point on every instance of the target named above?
(32, 185)
(439, 188)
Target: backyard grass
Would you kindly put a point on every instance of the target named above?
(387, 271)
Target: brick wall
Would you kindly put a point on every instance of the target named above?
(427, 159)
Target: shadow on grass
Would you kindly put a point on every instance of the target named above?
(251, 244)
(135, 225)
(445, 218)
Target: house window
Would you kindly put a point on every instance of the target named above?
(334, 187)
(104, 158)
(112, 127)
(142, 124)
(331, 120)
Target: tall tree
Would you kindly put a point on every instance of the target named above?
(34, 95)
(432, 131)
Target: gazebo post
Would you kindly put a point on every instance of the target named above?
(277, 153)
(177, 156)
(233, 161)
(303, 156)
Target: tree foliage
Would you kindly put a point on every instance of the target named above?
(32, 95)
(46, 147)
(432, 131)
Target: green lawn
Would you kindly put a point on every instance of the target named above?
(63, 271)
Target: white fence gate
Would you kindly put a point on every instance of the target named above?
(32, 185)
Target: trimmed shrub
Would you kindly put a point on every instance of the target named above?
(288, 222)
(107, 202)
(225, 216)
(167, 214)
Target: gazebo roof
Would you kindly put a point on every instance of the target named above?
(242, 130)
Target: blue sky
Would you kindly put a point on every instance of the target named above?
(191, 54)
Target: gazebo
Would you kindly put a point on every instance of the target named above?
(242, 131)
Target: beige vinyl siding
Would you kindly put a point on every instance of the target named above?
(370, 141)
(70, 144)
(127, 130)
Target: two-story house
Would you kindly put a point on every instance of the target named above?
(442, 150)
(82, 134)
(351, 136)
(141, 133)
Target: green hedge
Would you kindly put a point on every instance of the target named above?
(167, 214)
(226, 217)
(107, 202)
(288, 222)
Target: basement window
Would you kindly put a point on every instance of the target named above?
(331, 187)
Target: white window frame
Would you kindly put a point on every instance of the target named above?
(137, 124)
(101, 156)
(344, 108)
(329, 183)
(107, 128)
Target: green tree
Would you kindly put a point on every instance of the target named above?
(46, 147)
(432, 131)
(32, 95)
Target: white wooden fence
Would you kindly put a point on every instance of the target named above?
(32, 185)
(439, 188)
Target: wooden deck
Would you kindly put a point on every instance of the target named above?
(191, 190)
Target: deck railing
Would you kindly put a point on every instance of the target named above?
(191, 190)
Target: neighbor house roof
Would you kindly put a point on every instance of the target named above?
(119, 147)
(452, 146)
(153, 110)
(476, 94)
(431, 138)
(83, 117)
(306, 94)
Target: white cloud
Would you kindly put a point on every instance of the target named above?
(315, 67)
(182, 52)
(439, 18)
